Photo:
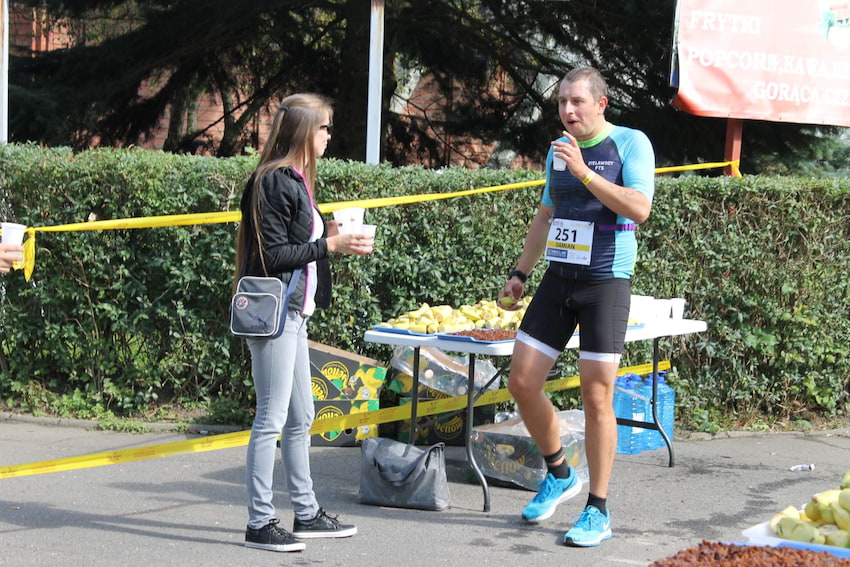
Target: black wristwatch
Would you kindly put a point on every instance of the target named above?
(522, 276)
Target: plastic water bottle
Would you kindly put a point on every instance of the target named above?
(665, 407)
(668, 417)
(652, 439)
(621, 384)
(641, 411)
(504, 416)
(628, 405)
(667, 399)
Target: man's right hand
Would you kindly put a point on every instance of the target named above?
(510, 295)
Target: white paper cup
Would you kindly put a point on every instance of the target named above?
(369, 230)
(13, 233)
(678, 307)
(642, 308)
(350, 220)
(558, 164)
(663, 308)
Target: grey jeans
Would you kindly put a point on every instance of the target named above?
(281, 370)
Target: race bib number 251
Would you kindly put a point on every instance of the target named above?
(569, 241)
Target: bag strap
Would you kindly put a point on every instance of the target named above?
(245, 254)
(410, 472)
(290, 289)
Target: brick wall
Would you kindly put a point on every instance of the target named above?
(29, 31)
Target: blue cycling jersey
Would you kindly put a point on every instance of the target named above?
(623, 156)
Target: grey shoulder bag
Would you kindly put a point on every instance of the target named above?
(258, 308)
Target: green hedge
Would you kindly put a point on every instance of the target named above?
(764, 261)
(131, 320)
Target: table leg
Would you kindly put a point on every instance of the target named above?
(470, 410)
(654, 404)
(414, 397)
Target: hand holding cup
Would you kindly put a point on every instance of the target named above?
(11, 255)
(566, 154)
(348, 235)
(355, 244)
(10, 246)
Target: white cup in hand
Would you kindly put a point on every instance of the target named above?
(13, 233)
(369, 230)
(350, 220)
(558, 164)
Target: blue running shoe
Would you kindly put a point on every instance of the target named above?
(592, 528)
(552, 492)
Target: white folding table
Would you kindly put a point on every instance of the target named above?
(654, 331)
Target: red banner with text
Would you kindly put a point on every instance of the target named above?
(777, 60)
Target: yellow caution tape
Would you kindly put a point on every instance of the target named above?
(446, 405)
(409, 199)
(733, 164)
(29, 254)
(236, 216)
(114, 224)
(213, 443)
(241, 438)
(148, 222)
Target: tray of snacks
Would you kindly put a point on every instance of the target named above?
(399, 331)
(821, 524)
(709, 554)
(480, 335)
(430, 320)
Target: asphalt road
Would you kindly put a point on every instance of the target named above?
(189, 509)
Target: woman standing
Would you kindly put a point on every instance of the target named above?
(282, 231)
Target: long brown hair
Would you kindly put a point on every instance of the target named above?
(290, 143)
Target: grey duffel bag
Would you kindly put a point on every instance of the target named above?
(403, 476)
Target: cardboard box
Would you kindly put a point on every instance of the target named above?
(343, 383)
(324, 389)
(347, 437)
(448, 428)
(338, 374)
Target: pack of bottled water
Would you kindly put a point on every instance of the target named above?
(633, 400)
(506, 453)
(443, 372)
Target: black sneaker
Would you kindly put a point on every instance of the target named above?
(272, 538)
(322, 526)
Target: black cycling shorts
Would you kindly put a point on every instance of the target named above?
(599, 307)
